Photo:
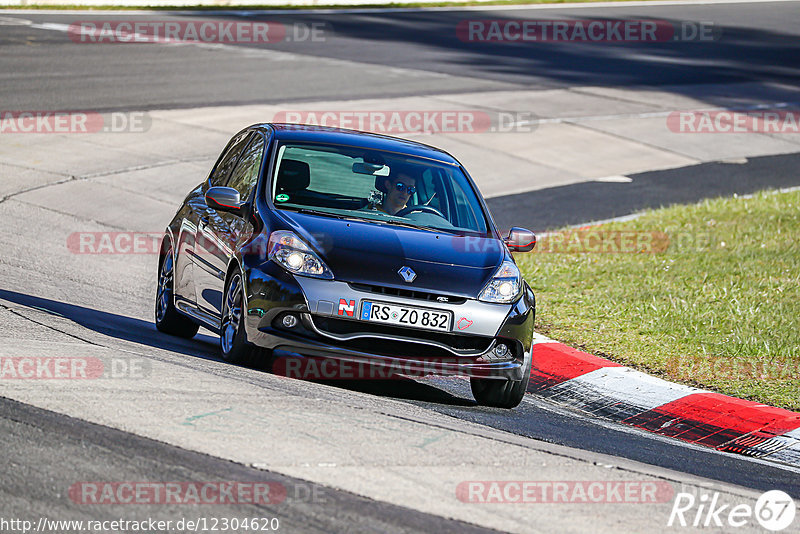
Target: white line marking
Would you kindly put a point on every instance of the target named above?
(789, 455)
(276, 55)
(626, 385)
(794, 434)
(367, 10)
(539, 338)
(14, 21)
(776, 192)
(634, 216)
(617, 178)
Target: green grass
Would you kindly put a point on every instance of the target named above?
(719, 307)
(321, 5)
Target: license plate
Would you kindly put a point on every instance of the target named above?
(425, 318)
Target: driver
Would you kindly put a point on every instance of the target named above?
(398, 189)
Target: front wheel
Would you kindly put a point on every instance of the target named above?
(232, 339)
(501, 393)
(168, 319)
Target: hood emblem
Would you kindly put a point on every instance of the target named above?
(407, 274)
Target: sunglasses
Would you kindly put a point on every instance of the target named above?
(403, 187)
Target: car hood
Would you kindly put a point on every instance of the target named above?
(373, 253)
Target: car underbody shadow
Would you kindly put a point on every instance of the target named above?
(372, 380)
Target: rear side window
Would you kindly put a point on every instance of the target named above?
(245, 175)
(228, 160)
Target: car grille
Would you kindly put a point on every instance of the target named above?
(375, 339)
(408, 293)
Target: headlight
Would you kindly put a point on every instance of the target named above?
(505, 285)
(291, 253)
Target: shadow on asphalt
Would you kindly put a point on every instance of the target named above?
(400, 388)
(431, 41)
(118, 326)
(206, 347)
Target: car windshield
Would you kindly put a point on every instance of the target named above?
(385, 187)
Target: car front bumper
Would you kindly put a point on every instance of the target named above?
(355, 347)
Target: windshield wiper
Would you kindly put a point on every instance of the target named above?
(409, 225)
(308, 211)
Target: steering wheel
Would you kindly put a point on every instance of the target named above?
(421, 207)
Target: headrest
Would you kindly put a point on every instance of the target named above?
(293, 175)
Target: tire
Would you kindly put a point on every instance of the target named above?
(501, 393)
(168, 319)
(232, 340)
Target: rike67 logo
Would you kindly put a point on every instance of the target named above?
(774, 510)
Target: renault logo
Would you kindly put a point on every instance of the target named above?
(407, 274)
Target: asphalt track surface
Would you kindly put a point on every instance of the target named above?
(42, 70)
(574, 204)
(39, 70)
(53, 441)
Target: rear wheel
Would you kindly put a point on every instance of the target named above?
(501, 393)
(232, 340)
(168, 319)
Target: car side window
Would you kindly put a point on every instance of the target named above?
(228, 160)
(434, 192)
(247, 171)
(467, 211)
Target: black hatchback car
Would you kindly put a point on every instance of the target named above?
(308, 242)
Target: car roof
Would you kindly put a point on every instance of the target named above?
(355, 138)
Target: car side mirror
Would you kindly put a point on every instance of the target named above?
(224, 199)
(520, 240)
